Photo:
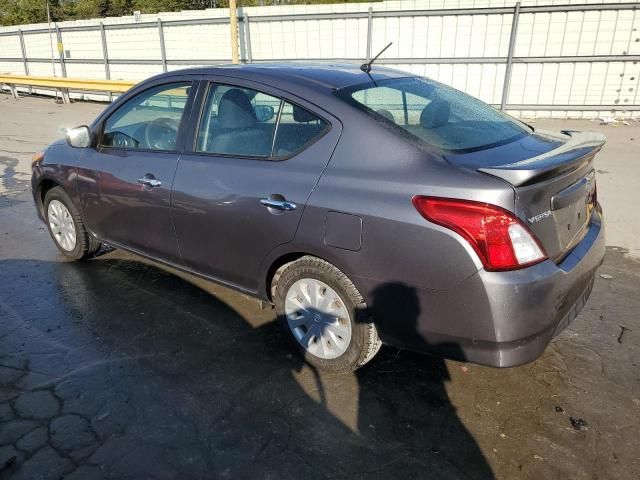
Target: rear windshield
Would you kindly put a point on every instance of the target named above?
(435, 114)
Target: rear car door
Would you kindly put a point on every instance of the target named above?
(125, 182)
(241, 190)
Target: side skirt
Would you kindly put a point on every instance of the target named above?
(253, 293)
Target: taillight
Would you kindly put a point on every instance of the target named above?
(500, 239)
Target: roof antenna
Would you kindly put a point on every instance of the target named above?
(366, 67)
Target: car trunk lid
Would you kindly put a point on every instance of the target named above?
(555, 190)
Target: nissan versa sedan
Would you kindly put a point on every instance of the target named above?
(368, 205)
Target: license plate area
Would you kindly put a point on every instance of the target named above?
(572, 208)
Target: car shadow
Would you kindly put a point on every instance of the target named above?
(142, 372)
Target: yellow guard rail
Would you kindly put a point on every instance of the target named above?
(65, 84)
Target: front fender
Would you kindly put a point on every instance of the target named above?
(58, 168)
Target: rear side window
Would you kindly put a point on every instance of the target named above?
(297, 129)
(435, 114)
(243, 122)
(150, 120)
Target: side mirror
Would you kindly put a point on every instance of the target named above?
(264, 113)
(79, 137)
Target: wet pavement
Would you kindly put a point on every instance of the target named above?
(117, 368)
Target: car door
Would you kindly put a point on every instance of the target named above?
(125, 182)
(241, 190)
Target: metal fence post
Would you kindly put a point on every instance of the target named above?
(512, 46)
(64, 92)
(63, 67)
(247, 30)
(369, 33)
(23, 50)
(163, 52)
(24, 53)
(105, 57)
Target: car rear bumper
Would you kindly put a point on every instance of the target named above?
(501, 319)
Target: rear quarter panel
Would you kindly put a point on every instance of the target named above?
(374, 175)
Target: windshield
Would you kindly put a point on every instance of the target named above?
(435, 114)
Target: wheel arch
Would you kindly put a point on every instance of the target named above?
(44, 186)
(284, 259)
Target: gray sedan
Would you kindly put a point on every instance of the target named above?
(368, 205)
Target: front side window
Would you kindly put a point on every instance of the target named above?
(244, 122)
(150, 120)
(434, 113)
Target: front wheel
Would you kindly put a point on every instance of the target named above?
(66, 226)
(324, 315)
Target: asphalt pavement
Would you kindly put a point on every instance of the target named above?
(117, 368)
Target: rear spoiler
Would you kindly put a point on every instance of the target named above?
(578, 148)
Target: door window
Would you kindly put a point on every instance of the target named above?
(150, 120)
(238, 121)
(248, 123)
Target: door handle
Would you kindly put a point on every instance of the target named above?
(282, 205)
(150, 181)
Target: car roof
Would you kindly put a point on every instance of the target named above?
(317, 75)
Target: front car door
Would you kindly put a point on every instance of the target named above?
(241, 191)
(125, 182)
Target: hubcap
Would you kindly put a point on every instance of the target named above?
(62, 227)
(318, 318)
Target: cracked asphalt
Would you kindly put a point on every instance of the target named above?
(117, 368)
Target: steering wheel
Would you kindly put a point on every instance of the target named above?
(122, 140)
(161, 133)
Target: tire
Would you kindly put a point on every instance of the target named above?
(85, 244)
(327, 328)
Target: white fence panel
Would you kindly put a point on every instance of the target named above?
(570, 57)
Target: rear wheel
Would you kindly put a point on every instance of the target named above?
(324, 315)
(66, 226)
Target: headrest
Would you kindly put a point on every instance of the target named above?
(436, 114)
(301, 115)
(386, 114)
(235, 110)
